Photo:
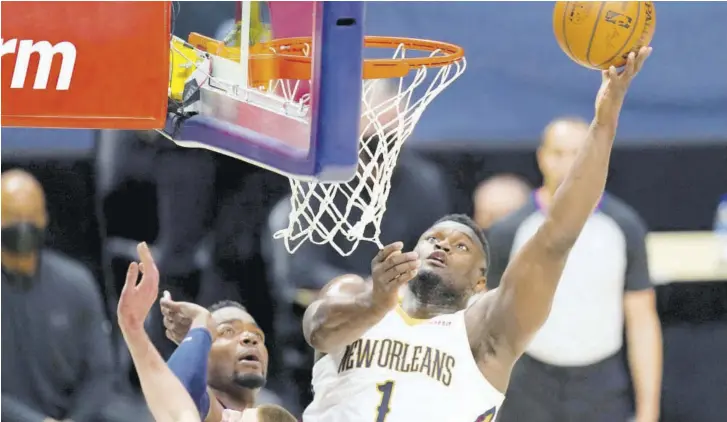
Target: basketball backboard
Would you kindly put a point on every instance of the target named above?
(296, 112)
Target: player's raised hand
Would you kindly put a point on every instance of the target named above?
(137, 298)
(180, 317)
(390, 269)
(615, 84)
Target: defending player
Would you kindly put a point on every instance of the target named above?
(227, 337)
(221, 367)
(234, 349)
(429, 358)
(165, 395)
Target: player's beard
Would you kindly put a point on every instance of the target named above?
(431, 289)
(250, 381)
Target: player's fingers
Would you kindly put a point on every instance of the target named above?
(397, 259)
(386, 251)
(169, 322)
(604, 76)
(644, 53)
(612, 73)
(132, 274)
(380, 268)
(182, 320)
(168, 313)
(169, 305)
(630, 68)
(171, 336)
(406, 277)
(400, 269)
(127, 287)
(145, 255)
(166, 300)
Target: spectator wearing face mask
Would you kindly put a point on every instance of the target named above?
(56, 358)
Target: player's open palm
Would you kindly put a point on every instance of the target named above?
(180, 317)
(137, 298)
(390, 269)
(615, 84)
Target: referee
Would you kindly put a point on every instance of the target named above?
(574, 369)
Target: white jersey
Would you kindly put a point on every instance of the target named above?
(404, 370)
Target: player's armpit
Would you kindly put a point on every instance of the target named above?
(502, 323)
(341, 314)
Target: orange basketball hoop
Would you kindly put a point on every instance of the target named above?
(288, 58)
(281, 70)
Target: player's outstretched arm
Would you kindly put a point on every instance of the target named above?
(349, 305)
(519, 307)
(166, 397)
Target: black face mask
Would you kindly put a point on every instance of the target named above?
(23, 238)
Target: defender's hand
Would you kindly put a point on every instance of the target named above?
(180, 317)
(137, 299)
(390, 269)
(615, 84)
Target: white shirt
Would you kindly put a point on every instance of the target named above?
(404, 370)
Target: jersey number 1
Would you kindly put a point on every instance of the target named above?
(385, 389)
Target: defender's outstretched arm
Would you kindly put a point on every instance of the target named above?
(502, 323)
(164, 393)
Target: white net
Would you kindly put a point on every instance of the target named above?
(344, 214)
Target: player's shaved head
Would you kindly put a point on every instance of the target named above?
(561, 141)
(498, 196)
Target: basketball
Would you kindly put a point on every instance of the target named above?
(601, 34)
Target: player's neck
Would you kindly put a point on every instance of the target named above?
(240, 399)
(415, 308)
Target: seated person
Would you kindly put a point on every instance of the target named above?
(56, 361)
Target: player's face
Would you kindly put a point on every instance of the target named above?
(559, 150)
(452, 263)
(238, 355)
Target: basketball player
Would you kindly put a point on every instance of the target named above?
(224, 366)
(226, 336)
(429, 357)
(166, 397)
(164, 393)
